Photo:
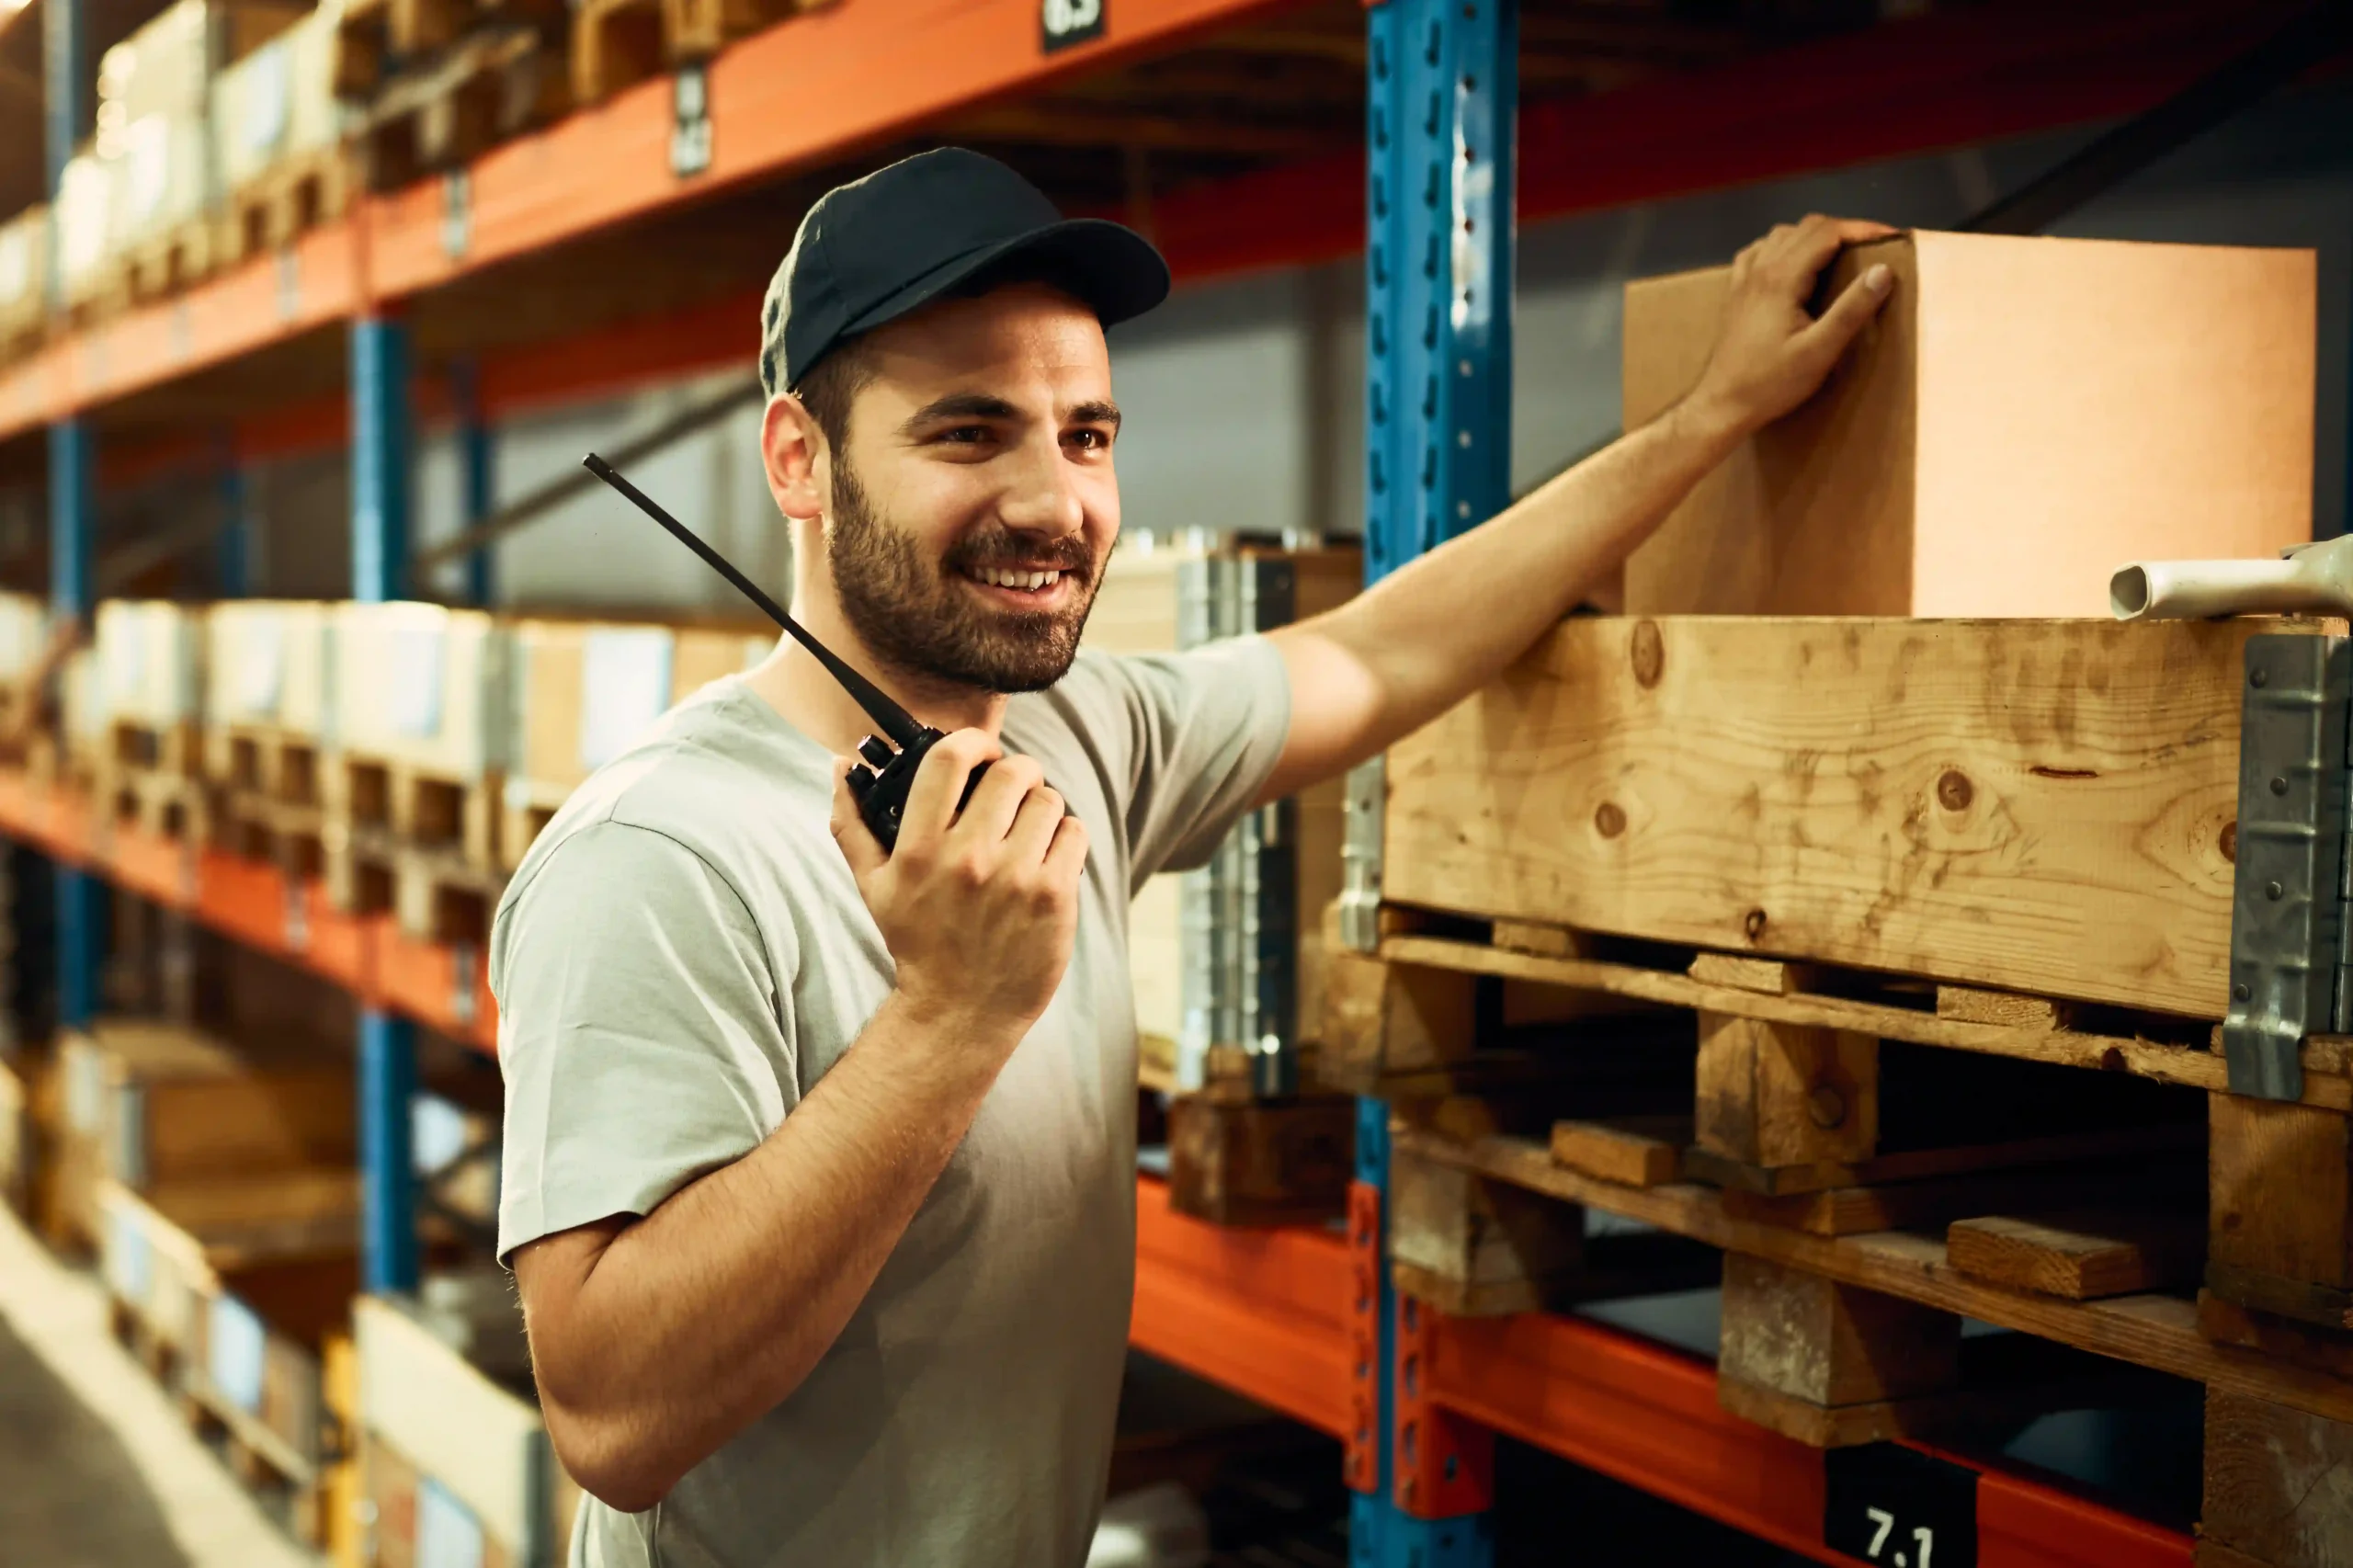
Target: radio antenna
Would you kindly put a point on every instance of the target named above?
(895, 722)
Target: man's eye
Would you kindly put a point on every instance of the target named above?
(1096, 440)
(969, 435)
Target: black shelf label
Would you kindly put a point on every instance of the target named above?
(1065, 22)
(1887, 1504)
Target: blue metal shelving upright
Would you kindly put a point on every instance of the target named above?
(477, 474)
(72, 522)
(1441, 99)
(381, 422)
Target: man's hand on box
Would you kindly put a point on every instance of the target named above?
(1770, 353)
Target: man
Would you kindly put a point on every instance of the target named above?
(820, 1163)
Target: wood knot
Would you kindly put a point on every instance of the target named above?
(1608, 820)
(2112, 1061)
(2230, 842)
(1954, 792)
(1650, 653)
(1753, 925)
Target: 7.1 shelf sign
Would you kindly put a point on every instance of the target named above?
(1065, 22)
(1888, 1505)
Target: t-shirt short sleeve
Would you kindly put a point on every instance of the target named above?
(641, 1032)
(1209, 725)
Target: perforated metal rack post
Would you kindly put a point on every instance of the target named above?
(381, 426)
(1441, 112)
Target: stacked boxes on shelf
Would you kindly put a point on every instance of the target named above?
(436, 82)
(1891, 884)
(23, 282)
(278, 138)
(454, 1455)
(268, 670)
(584, 688)
(151, 676)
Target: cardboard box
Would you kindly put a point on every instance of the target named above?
(266, 665)
(2026, 416)
(421, 686)
(151, 662)
(164, 178)
(584, 689)
(166, 66)
(84, 215)
(24, 275)
(278, 102)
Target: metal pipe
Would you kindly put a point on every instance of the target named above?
(2315, 579)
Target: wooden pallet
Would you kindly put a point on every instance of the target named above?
(255, 828)
(162, 804)
(524, 815)
(1836, 1340)
(384, 806)
(176, 749)
(168, 263)
(498, 83)
(619, 43)
(278, 765)
(375, 40)
(286, 200)
(432, 896)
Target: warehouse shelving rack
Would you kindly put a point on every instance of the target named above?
(1302, 1320)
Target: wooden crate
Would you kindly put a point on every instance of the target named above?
(151, 665)
(167, 203)
(2026, 414)
(274, 115)
(584, 689)
(149, 1104)
(2043, 807)
(498, 82)
(449, 1447)
(421, 686)
(1137, 610)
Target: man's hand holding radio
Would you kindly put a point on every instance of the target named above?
(978, 907)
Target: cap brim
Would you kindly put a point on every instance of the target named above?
(1110, 266)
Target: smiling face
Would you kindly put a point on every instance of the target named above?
(971, 500)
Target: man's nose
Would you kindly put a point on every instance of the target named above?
(1038, 495)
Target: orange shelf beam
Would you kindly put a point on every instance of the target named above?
(1263, 1313)
(1648, 1415)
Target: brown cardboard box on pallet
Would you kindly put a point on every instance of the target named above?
(2024, 415)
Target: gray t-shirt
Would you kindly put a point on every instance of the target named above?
(681, 957)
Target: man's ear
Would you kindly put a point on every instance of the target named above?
(793, 450)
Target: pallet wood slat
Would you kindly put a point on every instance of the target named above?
(2029, 806)
(2157, 1331)
(2079, 1256)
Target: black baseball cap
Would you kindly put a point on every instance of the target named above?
(874, 249)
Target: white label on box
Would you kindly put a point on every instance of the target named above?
(624, 687)
(437, 1133)
(447, 1534)
(267, 100)
(415, 677)
(85, 1085)
(122, 649)
(261, 665)
(233, 1341)
(146, 167)
(128, 1266)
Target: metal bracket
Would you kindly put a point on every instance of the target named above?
(2287, 905)
(690, 121)
(1444, 1465)
(1362, 1465)
(457, 213)
(1368, 796)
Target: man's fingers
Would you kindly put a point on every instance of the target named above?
(939, 781)
(1067, 858)
(989, 814)
(859, 847)
(1807, 248)
(1848, 313)
(1032, 833)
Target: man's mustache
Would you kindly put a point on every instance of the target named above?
(1010, 550)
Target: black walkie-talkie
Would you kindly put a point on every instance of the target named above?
(881, 784)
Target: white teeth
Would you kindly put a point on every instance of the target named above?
(1029, 580)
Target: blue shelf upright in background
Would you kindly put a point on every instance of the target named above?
(381, 426)
(73, 513)
(1441, 113)
(477, 474)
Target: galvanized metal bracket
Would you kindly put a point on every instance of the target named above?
(1360, 855)
(2288, 897)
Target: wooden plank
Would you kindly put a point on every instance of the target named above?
(481, 1441)
(2157, 1331)
(1922, 1163)
(2034, 806)
(1770, 976)
(2299, 1299)
(2282, 1177)
(2227, 1322)
(2279, 1483)
(1940, 1200)
(2144, 1058)
(1644, 1151)
(1381, 1019)
(1488, 1248)
(2006, 1008)
(1824, 1343)
(2080, 1257)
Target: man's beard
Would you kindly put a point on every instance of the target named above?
(917, 621)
